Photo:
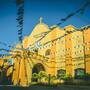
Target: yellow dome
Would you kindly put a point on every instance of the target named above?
(38, 32)
(39, 29)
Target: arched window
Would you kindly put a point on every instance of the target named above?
(48, 52)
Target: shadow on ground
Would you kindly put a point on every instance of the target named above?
(61, 87)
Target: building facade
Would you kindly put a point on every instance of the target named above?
(55, 50)
(67, 48)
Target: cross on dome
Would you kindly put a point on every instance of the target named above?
(40, 20)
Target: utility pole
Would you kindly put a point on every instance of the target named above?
(20, 14)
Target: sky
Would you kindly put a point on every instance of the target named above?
(50, 10)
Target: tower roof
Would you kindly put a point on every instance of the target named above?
(69, 28)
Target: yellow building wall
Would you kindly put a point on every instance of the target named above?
(87, 49)
(66, 52)
(56, 49)
(77, 51)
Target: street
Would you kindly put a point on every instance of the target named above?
(61, 87)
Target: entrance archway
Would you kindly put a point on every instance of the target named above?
(36, 69)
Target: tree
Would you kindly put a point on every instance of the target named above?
(87, 76)
(34, 77)
(41, 75)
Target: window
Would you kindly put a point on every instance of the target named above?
(48, 52)
(61, 73)
(80, 50)
(79, 72)
(78, 46)
(36, 50)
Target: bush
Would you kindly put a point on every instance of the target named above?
(87, 76)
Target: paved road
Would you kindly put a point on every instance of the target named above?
(62, 87)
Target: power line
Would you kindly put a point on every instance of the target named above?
(73, 13)
(20, 19)
(81, 29)
(65, 19)
(5, 44)
(20, 4)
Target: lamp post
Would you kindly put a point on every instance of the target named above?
(49, 79)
